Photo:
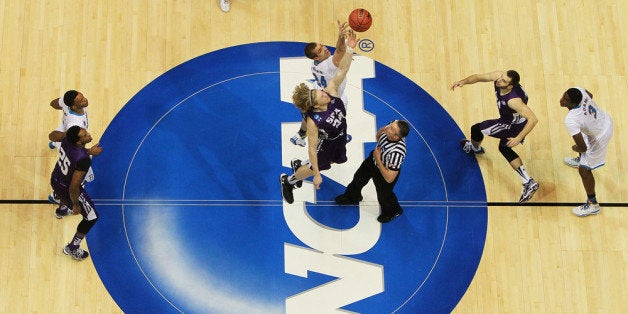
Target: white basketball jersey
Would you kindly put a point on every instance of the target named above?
(324, 72)
(71, 118)
(587, 118)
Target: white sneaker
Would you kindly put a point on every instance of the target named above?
(298, 140)
(468, 147)
(528, 190)
(586, 209)
(572, 162)
(225, 5)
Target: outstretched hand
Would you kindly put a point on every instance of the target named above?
(456, 84)
(342, 28)
(350, 39)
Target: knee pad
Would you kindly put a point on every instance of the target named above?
(508, 153)
(476, 133)
(85, 225)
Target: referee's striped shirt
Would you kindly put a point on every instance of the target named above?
(393, 153)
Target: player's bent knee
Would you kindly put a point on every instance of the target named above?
(508, 153)
(476, 133)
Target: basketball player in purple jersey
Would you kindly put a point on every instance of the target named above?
(324, 67)
(326, 125)
(515, 121)
(66, 179)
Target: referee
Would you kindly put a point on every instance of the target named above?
(383, 166)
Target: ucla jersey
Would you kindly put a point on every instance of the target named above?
(71, 118)
(324, 72)
(587, 118)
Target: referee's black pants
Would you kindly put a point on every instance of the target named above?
(385, 195)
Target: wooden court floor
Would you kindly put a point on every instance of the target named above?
(537, 259)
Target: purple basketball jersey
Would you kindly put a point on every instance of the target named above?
(507, 114)
(331, 123)
(69, 156)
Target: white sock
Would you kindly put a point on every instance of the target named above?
(523, 174)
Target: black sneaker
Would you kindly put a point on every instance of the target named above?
(286, 189)
(384, 218)
(296, 164)
(343, 199)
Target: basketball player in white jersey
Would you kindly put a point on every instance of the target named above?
(324, 68)
(591, 129)
(73, 104)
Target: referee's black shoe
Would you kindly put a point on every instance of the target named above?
(384, 218)
(344, 199)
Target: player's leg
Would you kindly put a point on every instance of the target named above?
(90, 216)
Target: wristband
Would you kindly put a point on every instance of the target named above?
(349, 49)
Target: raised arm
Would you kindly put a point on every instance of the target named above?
(341, 47)
(343, 67)
(472, 79)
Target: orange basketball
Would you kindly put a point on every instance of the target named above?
(360, 20)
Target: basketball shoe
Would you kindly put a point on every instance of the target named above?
(572, 162)
(78, 254)
(286, 189)
(52, 198)
(468, 147)
(62, 211)
(225, 5)
(528, 190)
(586, 209)
(298, 140)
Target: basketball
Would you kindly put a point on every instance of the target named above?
(360, 20)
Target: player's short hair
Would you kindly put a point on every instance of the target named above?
(575, 95)
(68, 97)
(73, 134)
(514, 77)
(309, 50)
(404, 128)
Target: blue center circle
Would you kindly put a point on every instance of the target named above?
(191, 217)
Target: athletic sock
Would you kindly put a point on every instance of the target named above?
(523, 174)
(292, 179)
